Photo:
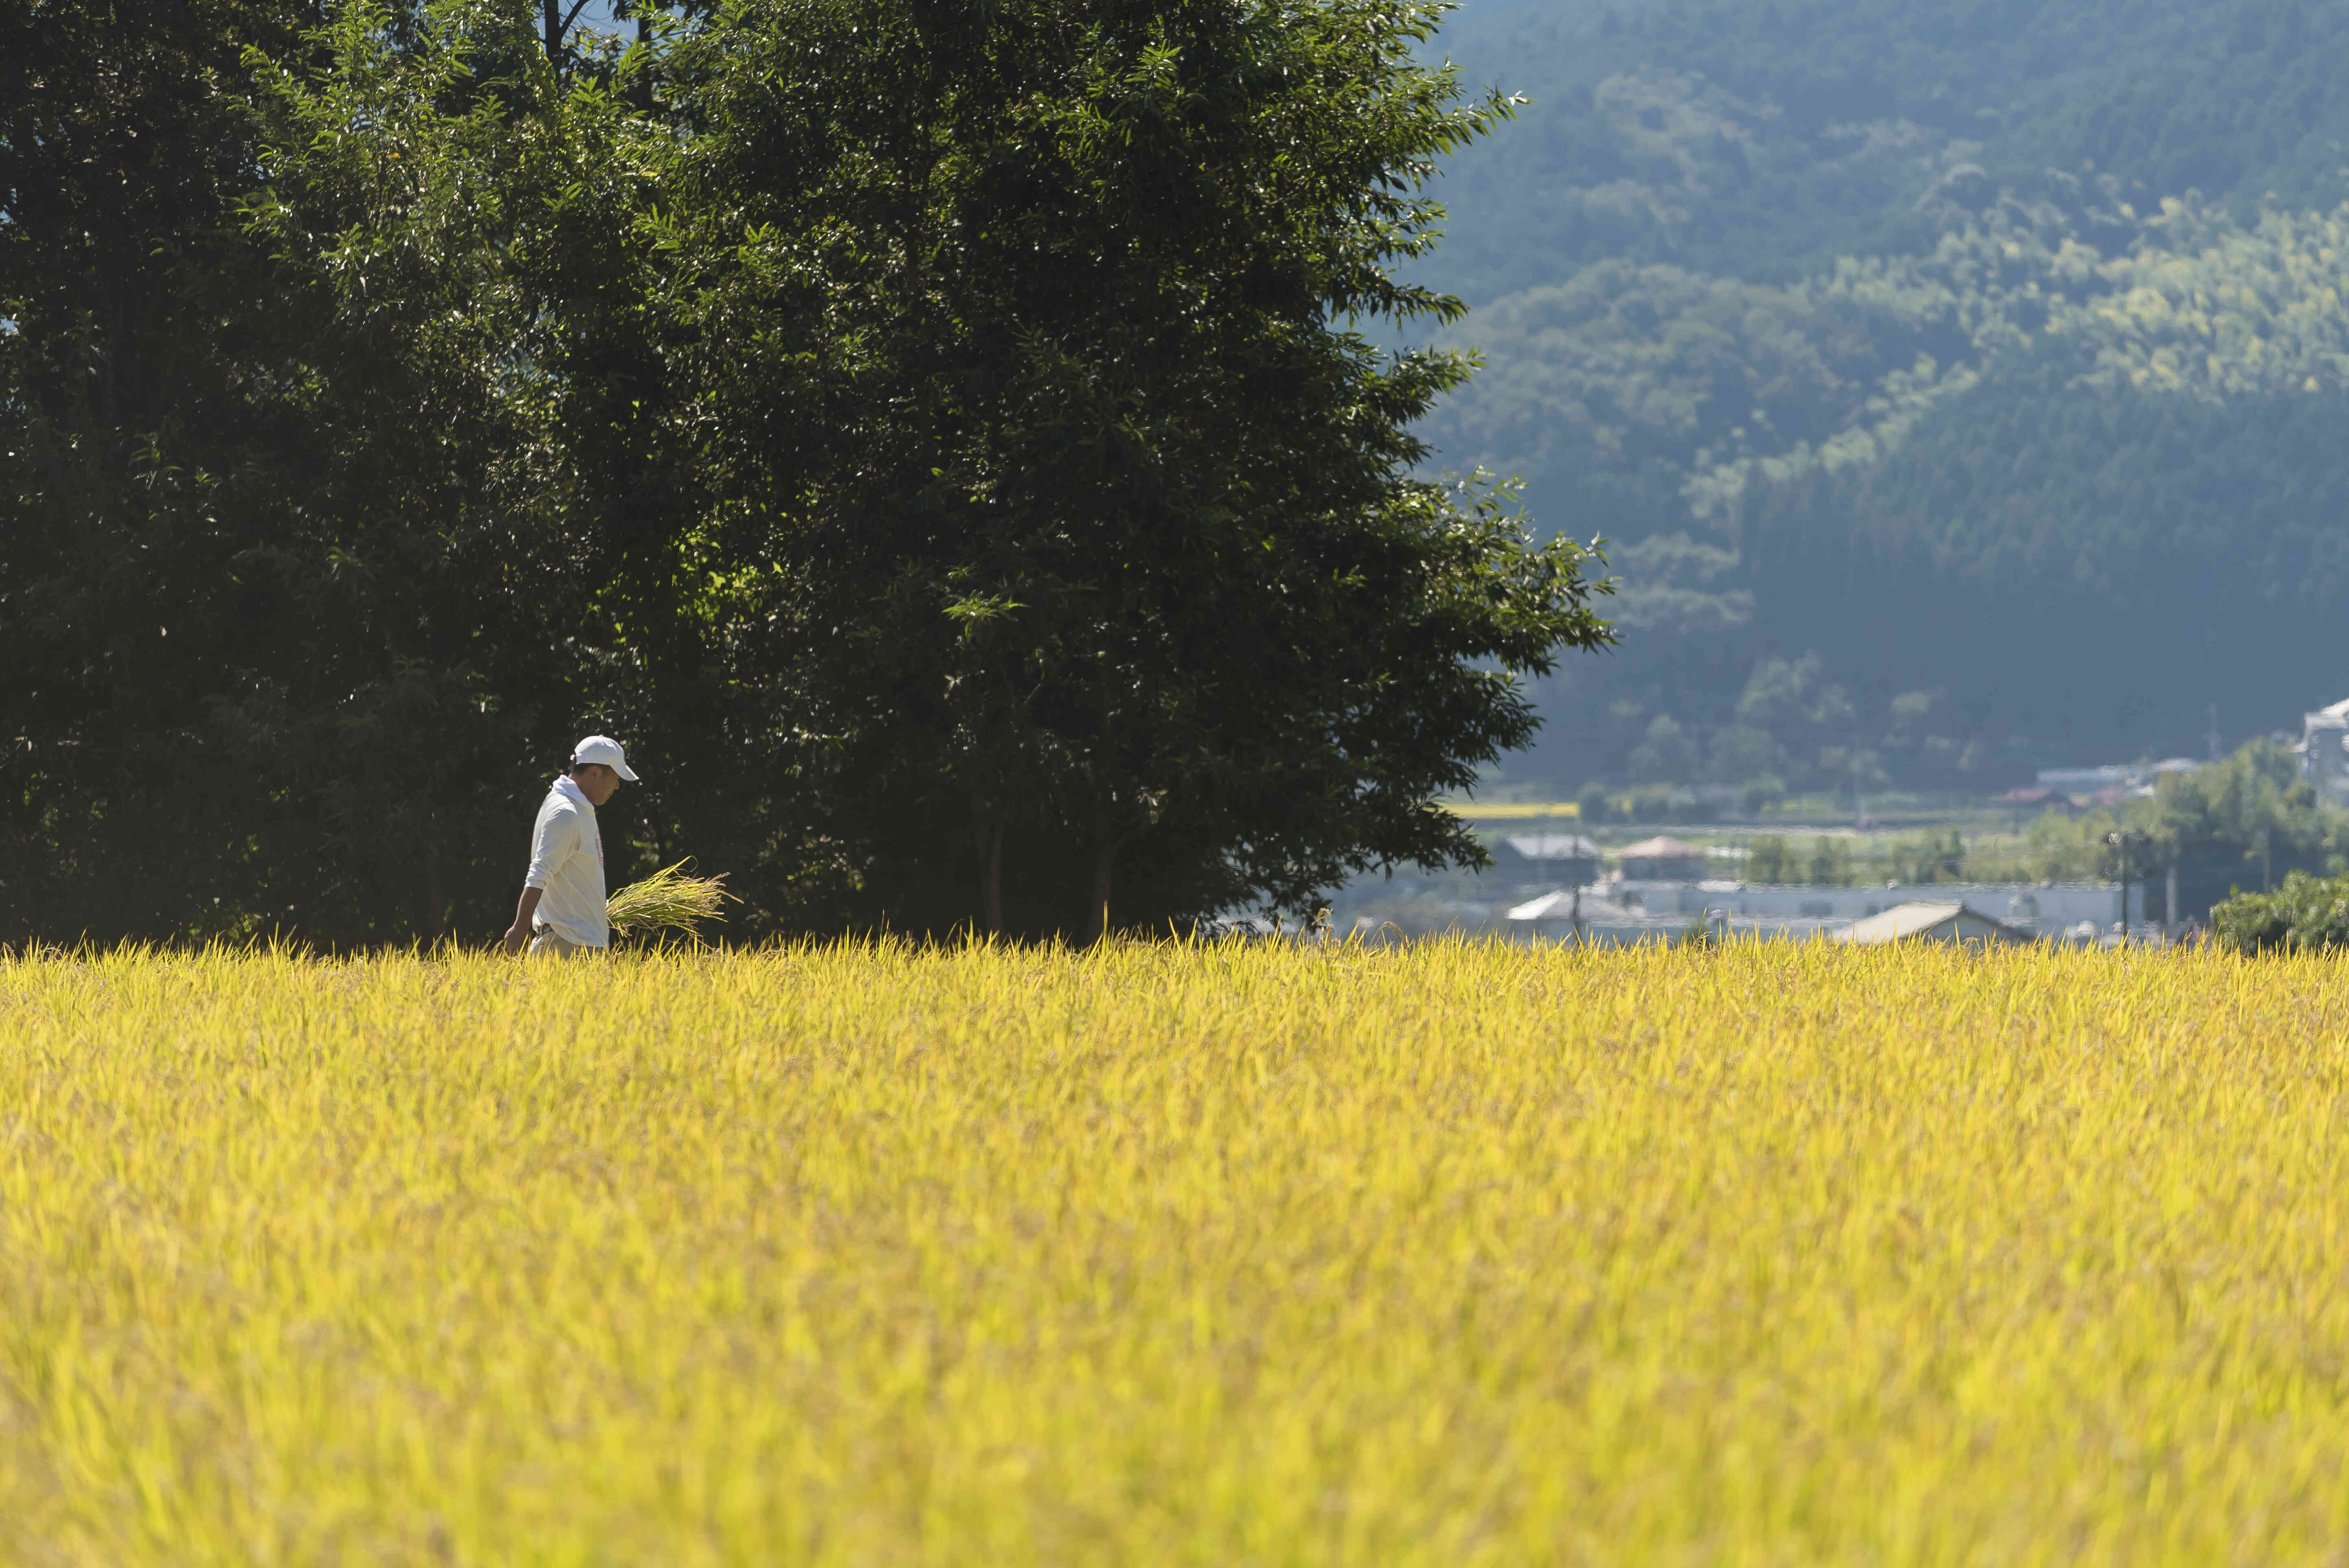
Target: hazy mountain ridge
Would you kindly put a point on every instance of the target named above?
(1874, 332)
(1767, 139)
(1661, 398)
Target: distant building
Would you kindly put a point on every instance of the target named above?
(1951, 923)
(1555, 857)
(1623, 914)
(2106, 785)
(1663, 860)
(2035, 797)
(2087, 780)
(2324, 749)
(1572, 906)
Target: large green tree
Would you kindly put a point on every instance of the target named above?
(1092, 526)
(937, 437)
(288, 496)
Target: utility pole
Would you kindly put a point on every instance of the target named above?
(2214, 732)
(1583, 866)
(2122, 840)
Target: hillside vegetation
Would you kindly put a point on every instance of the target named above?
(1993, 352)
(1456, 1254)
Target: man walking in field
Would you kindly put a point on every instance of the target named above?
(562, 907)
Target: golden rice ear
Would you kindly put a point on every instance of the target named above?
(668, 900)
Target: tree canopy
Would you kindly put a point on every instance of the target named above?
(941, 439)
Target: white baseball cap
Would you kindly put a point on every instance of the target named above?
(602, 748)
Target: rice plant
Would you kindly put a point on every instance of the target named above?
(870, 1254)
(668, 900)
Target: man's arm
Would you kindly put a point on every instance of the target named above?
(553, 841)
(519, 931)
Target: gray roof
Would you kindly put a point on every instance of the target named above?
(1933, 922)
(1553, 846)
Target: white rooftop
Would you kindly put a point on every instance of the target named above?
(1560, 905)
(1553, 846)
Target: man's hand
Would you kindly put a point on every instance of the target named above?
(518, 933)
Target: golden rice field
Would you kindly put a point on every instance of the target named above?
(1458, 1254)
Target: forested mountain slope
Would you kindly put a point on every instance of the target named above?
(1993, 352)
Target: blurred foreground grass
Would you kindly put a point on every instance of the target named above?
(1456, 1254)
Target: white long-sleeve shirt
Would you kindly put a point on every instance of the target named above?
(566, 861)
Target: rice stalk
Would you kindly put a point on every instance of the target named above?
(668, 900)
(1452, 1256)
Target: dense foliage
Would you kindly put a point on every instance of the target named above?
(2307, 915)
(291, 508)
(2247, 821)
(1989, 351)
(936, 437)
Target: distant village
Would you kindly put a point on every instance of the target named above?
(1664, 888)
(1554, 886)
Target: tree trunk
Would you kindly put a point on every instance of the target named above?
(986, 844)
(991, 889)
(1105, 855)
(559, 23)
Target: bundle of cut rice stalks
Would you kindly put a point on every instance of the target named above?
(668, 900)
